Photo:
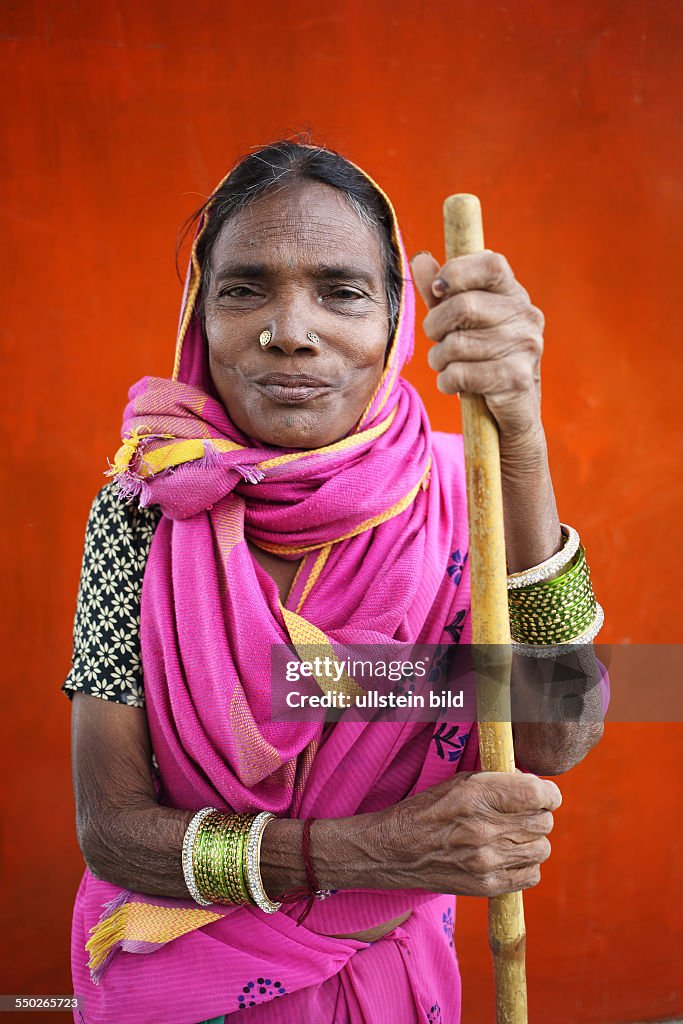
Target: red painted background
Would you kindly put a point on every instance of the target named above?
(565, 118)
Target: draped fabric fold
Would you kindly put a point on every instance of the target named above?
(378, 518)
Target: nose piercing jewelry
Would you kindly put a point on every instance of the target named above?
(265, 338)
(313, 337)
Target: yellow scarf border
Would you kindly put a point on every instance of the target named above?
(191, 449)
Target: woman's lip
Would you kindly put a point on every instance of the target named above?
(292, 396)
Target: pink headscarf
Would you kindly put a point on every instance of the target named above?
(379, 519)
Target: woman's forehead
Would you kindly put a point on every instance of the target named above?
(307, 222)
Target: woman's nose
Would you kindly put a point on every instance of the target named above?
(292, 331)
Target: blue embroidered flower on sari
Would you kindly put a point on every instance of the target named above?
(457, 564)
(261, 987)
(445, 736)
(434, 1015)
(448, 925)
(456, 627)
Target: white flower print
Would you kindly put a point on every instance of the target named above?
(103, 688)
(106, 660)
(123, 640)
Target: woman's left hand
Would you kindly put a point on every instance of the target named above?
(489, 337)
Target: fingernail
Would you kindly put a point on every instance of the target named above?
(422, 252)
(440, 287)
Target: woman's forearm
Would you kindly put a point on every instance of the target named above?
(532, 526)
(346, 853)
(140, 849)
(551, 742)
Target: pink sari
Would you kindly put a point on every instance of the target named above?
(380, 521)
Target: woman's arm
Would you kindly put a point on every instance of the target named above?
(478, 834)
(554, 744)
(125, 836)
(489, 341)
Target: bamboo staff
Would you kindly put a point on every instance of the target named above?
(490, 626)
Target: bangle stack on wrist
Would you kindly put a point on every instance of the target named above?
(221, 860)
(552, 605)
(221, 854)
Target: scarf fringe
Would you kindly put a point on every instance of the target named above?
(213, 459)
(107, 935)
(252, 474)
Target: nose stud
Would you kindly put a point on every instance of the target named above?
(266, 337)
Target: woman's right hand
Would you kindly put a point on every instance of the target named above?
(475, 834)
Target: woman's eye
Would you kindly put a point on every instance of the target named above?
(347, 293)
(236, 291)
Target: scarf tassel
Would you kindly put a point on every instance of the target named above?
(107, 935)
(213, 459)
(252, 474)
(129, 485)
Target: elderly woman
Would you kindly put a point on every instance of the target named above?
(284, 486)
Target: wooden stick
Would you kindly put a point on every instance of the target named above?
(490, 626)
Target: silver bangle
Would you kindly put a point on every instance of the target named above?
(188, 848)
(546, 570)
(253, 863)
(555, 650)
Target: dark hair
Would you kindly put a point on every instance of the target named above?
(284, 163)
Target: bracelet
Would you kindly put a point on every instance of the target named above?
(218, 857)
(313, 891)
(188, 845)
(253, 864)
(552, 604)
(555, 650)
(221, 862)
(547, 569)
(214, 852)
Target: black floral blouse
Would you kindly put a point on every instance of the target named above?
(106, 649)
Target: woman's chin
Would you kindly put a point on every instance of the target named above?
(300, 430)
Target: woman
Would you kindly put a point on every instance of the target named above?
(287, 487)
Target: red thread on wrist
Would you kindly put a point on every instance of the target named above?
(294, 895)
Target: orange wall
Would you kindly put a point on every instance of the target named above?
(565, 118)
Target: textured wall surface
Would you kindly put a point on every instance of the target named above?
(565, 119)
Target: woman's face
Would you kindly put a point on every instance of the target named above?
(297, 260)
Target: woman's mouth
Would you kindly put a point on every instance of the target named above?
(292, 389)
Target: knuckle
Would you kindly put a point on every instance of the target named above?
(546, 821)
(478, 831)
(435, 357)
(447, 381)
(484, 861)
(464, 311)
(536, 316)
(531, 791)
(532, 341)
(522, 376)
(499, 267)
(430, 325)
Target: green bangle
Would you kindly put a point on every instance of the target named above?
(555, 611)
